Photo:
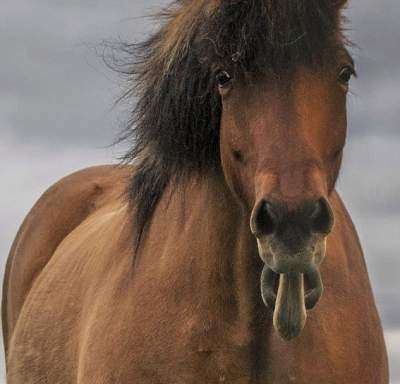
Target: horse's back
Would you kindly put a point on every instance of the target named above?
(61, 209)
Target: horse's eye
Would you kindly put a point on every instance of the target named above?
(223, 78)
(346, 73)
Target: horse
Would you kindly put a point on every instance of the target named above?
(218, 251)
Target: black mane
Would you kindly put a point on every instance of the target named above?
(174, 127)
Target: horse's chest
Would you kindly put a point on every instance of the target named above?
(185, 352)
(181, 349)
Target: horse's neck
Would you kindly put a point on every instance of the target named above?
(200, 238)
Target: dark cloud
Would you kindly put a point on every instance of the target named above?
(374, 28)
(55, 89)
(370, 177)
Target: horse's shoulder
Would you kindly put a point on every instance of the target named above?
(85, 185)
(63, 207)
(68, 202)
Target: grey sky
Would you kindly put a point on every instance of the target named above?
(57, 115)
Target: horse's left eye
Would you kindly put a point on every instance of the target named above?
(223, 78)
(346, 73)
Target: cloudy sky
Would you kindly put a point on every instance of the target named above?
(57, 115)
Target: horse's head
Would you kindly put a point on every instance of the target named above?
(258, 89)
(281, 148)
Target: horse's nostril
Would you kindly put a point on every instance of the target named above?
(322, 217)
(289, 225)
(264, 220)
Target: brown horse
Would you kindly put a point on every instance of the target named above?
(207, 271)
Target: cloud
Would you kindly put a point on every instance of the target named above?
(55, 89)
(376, 32)
(370, 177)
(393, 345)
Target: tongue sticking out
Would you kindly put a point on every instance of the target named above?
(290, 302)
(290, 309)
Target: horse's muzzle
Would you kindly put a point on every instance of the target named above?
(292, 244)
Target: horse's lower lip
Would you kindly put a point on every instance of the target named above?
(312, 284)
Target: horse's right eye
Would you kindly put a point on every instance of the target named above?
(223, 78)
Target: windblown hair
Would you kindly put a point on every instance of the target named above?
(174, 127)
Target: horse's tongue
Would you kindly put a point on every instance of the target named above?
(290, 311)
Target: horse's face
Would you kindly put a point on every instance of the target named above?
(281, 150)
